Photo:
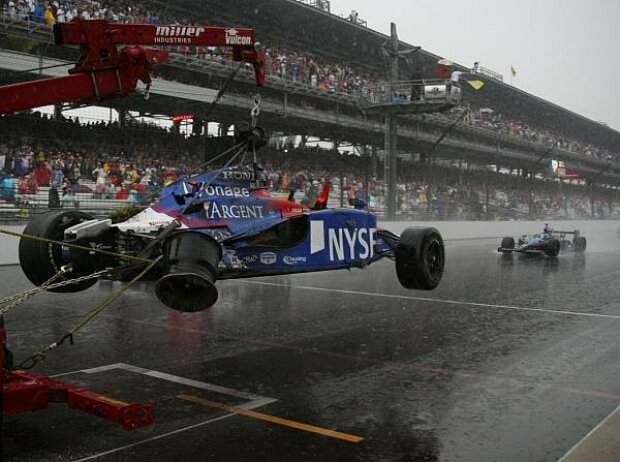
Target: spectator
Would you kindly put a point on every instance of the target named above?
(39, 13)
(455, 77)
(49, 18)
(68, 200)
(53, 199)
(7, 191)
(57, 178)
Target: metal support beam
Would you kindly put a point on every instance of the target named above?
(530, 170)
(392, 128)
(122, 117)
(373, 153)
(58, 112)
(593, 182)
(392, 162)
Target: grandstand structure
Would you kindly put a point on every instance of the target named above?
(189, 81)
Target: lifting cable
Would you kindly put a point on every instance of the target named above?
(39, 356)
(75, 246)
(216, 100)
(19, 298)
(242, 145)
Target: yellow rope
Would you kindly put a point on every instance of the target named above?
(75, 246)
(38, 356)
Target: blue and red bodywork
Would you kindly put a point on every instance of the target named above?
(262, 235)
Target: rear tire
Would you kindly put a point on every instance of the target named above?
(507, 243)
(580, 244)
(553, 248)
(42, 260)
(192, 259)
(420, 258)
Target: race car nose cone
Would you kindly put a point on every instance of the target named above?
(189, 292)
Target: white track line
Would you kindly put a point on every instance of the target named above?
(92, 370)
(191, 383)
(172, 378)
(588, 435)
(251, 405)
(255, 401)
(436, 300)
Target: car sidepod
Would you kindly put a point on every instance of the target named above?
(316, 241)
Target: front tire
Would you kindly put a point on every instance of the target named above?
(553, 248)
(420, 258)
(580, 244)
(42, 260)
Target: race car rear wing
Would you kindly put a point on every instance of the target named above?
(576, 232)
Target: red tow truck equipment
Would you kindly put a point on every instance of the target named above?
(103, 72)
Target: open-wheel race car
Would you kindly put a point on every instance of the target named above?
(221, 225)
(549, 242)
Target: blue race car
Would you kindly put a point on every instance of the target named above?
(220, 225)
(549, 242)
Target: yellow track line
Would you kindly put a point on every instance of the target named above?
(272, 419)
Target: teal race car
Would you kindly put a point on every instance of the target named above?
(550, 242)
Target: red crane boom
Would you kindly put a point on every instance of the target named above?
(103, 71)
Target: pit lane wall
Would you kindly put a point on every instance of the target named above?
(601, 234)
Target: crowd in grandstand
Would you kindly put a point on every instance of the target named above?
(50, 12)
(298, 66)
(129, 171)
(84, 162)
(491, 120)
(295, 65)
(439, 192)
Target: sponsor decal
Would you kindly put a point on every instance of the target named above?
(159, 222)
(238, 261)
(293, 260)
(178, 31)
(343, 243)
(232, 257)
(215, 211)
(249, 259)
(237, 175)
(228, 191)
(177, 34)
(233, 38)
(268, 258)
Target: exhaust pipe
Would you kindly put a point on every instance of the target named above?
(192, 259)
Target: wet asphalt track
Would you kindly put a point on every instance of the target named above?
(510, 359)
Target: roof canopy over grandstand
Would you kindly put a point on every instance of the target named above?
(326, 34)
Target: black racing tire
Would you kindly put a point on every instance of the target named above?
(580, 244)
(192, 259)
(508, 243)
(420, 258)
(42, 260)
(552, 248)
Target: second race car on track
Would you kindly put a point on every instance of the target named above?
(549, 242)
(220, 225)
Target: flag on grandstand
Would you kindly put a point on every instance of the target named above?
(513, 71)
(476, 84)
